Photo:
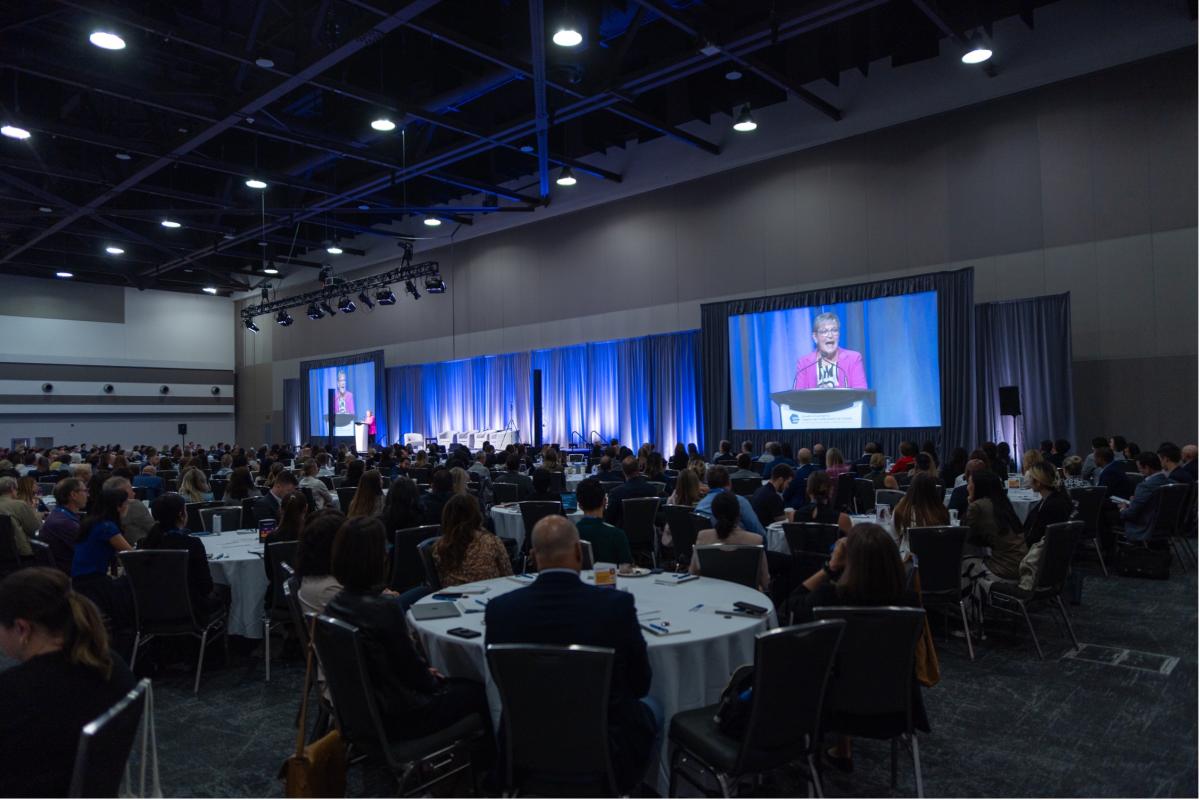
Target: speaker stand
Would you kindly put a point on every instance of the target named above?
(1015, 447)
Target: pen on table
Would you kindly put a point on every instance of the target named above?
(647, 613)
(480, 602)
(696, 607)
(659, 628)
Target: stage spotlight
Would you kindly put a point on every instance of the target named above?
(366, 300)
(435, 285)
(385, 297)
(314, 312)
(328, 309)
(977, 51)
(411, 288)
(283, 319)
(346, 305)
(566, 177)
(745, 121)
(250, 326)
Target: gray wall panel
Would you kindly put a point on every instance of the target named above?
(33, 297)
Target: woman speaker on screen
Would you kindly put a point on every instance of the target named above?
(829, 366)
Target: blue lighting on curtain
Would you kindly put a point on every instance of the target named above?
(639, 390)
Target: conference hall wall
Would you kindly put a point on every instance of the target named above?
(1086, 186)
(80, 338)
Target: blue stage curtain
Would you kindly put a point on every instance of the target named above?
(639, 390)
(1027, 344)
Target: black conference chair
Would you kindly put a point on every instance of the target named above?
(864, 496)
(738, 563)
(42, 555)
(278, 557)
(506, 493)
(162, 605)
(844, 499)
(218, 486)
(10, 557)
(810, 543)
(425, 551)
(888, 497)
(408, 570)
(418, 765)
(231, 517)
(587, 561)
(248, 520)
(637, 519)
(102, 755)
(531, 512)
(746, 486)
(1169, 515)
(346, 497)
(193, 513)
(1048, 581)
(791, 674)
(938, 552)
(555, 749)
(873, 691)
(608, 486)
(683, 524)
(291, 594)
(1090, 502)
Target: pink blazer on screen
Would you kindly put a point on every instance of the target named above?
(850, 372)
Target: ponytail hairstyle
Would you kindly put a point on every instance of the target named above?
(43, 597)
(727, 512)
(107, 509)
(166, 510)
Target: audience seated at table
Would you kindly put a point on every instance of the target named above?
(441, 489)
(679, 458)
(724, 453)
(560, 609)
(414, 699)
(1073, 473)
(634, 485)
(170, 533)
(322, 497)
(743, 470)
(100, 539)
(779, 454)
(908, 456)
(993, 523)
(149, 481)
(240, 486)
(794, 495)
(656, 472)
(1111, 474)
(718, 484)
(25, 520)
(268, 506)
(354, 472)
(293, 511)
(877, 474)
(1171, 458)
(194, 486)
(767, 500)
(609, 543)
(727, 529)
(467, 553)
(60, 530)
(66, 677)
(608, 470)
(835, 464)
(368, 494)
(1054, 506)
(820, 493)
(314, 560)
(1138, 514)
(921, 507)
(541, 487)
(27, 492)
(512, 474)
(401, 507)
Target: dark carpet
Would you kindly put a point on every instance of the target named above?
(1004, 725)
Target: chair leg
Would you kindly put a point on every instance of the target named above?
(1032, 632)
(200, 660)
(966, 629)
(267, 648)
(894, 745)
(672, 771)
(814, 777)
(137, 640)
(1100, 555)
(1070, 629)
(724, 784)
(916, 757)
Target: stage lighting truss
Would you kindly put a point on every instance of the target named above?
(329, 297)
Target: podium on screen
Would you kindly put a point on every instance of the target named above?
(828, 409)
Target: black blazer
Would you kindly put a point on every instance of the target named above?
(265, 507)
(637, 486)
(1113, 476)
(559, 608)
(1056, 507)
(958, 500)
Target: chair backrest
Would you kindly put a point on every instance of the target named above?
(248, 520)
(874, 673)
(419, 474)
(1090, 502)
(888, 497)
(862, 470)
(608, 486)
(1171, 501)
(218, 487)
(637, 520)
(864, 495)
(844, 499)
(558, 482)
(660, 488)
(1055, 564)
(231, 517)
(408, 570)
(549, 743)
(586, 557)
(682, 523)
(339, 649)
(291, 595)
(938, 552)
(161, 601)
(193, 513)
(425, 551)
(327, 480)
(10, 557)
(746, 486)
(43, 556)
(276, 554)
(105, 744)
(791, 675)
(811, 537)
(1132, 480)
(506, 492)
(738, 563)
(534, 510)
(346, 497)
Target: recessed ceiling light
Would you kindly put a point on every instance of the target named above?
(188, 270)
(255, 183)
(270, 271)
(113, 250)
(227, 236)
(526, 148)
(566, 177)
(333, 249)
(45, 209)
(364, 207)
(745, 121)
(107, 40)
(264, 62)
(383, 124)
(13, 132)
(209, 290)
(170, 223)
(733, 75)
(123, 156)
(567, 36)
(182, 130)
(262, 244)
(432, 222)
(64, 274)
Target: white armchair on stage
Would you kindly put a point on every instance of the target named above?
(445, 439)
(823, 409)
(414, 440)
(463, 438)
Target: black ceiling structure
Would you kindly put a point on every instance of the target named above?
(210, 93)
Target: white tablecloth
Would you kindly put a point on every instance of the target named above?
(509, 524)
(1022, 500)
(234, 558)
(689, 670)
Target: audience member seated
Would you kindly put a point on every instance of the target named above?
(414, 700)
(794, 495)
(479, 467)
(368, 494)
(609, 543)
(655, 471)
(1138, 514)
(1073, 469)
(878, 473)
(322, 497)
(908, 457)
(25, 521)
(778, 456)
(355, 469)
(819, 495)
(869, 449)
(1111, 474)
(1188, 453)
(467, 553)
(993, 523)
(169, 533)
(268, 506)
(724, 454)
(560, 609)
(1171, 458)
(100, 539)
(149, 481)
(743, 471)
(1055, 504)
(541, 487)
(635, 485)
(512, 474)
(66, 677)
(609, 471)
(240, 487)
(718, 484)
(921, 507)
(27, 492)
(1088, 471)
(61, 528)
(726, 513)
(402, 508)
(767, 500)
(835, 465)
(679, 458)
(137, 521)
(314, 560)
(293, 510)
(441, 489)
(193, 486)
(1030, 458)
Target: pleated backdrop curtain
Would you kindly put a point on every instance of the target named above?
(645, 389)
(291, 411)
(1027, 344)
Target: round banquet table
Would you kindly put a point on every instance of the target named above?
(689, 670)
(510, 525)
(235, 558)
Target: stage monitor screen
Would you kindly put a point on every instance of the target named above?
(864, 364)
(344, 392)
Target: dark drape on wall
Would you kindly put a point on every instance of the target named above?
(1026, 343)
(291, 411)
(313, 407)
(956, 355)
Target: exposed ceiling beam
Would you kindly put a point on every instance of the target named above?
(537, 45)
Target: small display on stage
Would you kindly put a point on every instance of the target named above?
(865, 364)
(342, 395)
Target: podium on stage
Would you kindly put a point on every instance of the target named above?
(826, 409)
(361, 436)
(341, 424)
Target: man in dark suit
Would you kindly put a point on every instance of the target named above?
(1171, 458)
(635, 485)
(609, 472)
(1138, 513)
(1110, 474)
(512, 474)
(560, 609)
(267, 506)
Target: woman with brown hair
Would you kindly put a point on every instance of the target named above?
(292, 511)
(240, 486)
(368, 497)
(819, 508)
(466, 553)
(920, 508)
(66, 678)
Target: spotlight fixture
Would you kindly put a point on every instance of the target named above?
(270, 269)
(566, 177)
(346, 305)
(745, 121)
(107, 40)
(432, 222)
(170, 223)
(435, 285)
(328, 309)
(250, 326)
(332, 248)
(314, 312)
(14, 132)
(113, 250)
(977, 51)
(363, 207)
(526, 148)
(383, 124)
(366, 300)
(123, 157)
(64, 274)
(283, 318)
(264, 62)
(411, 288)
(209, 290)
(733, 75)
(567, 35)
(255, 183)
(385, 297)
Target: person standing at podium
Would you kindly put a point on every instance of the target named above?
(829, 366)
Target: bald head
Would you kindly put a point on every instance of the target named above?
(804, 456)
(556, 544)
